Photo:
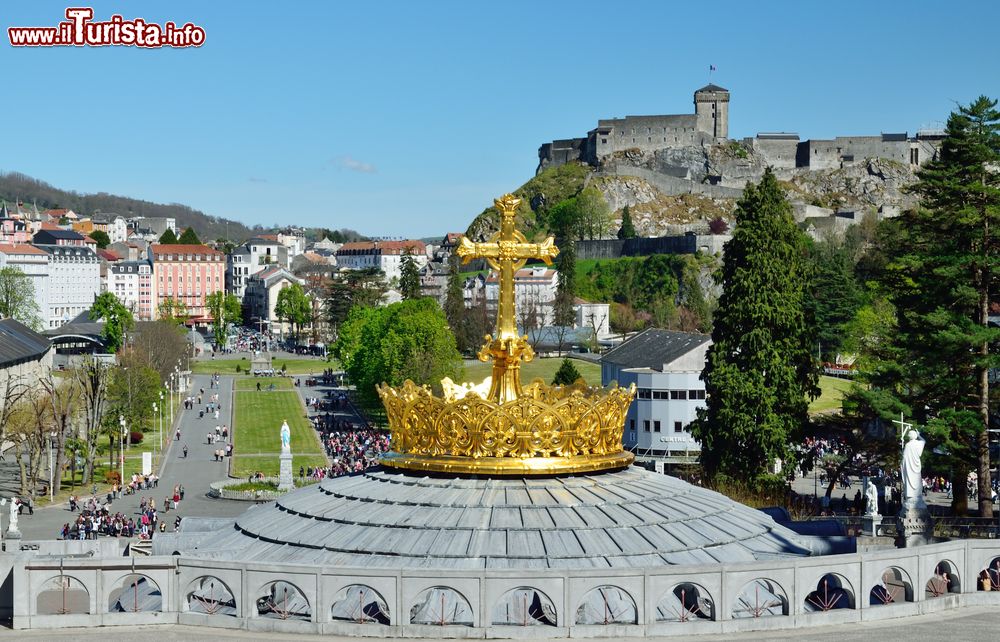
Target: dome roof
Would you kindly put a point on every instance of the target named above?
(391, 519)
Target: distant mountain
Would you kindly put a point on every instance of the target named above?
(14, 185)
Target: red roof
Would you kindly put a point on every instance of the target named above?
(383, 247)
(268, 237)
(20, 248)
(177, 248)
(49, 225)
(108, 255)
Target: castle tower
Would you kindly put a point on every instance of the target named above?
(711, 107)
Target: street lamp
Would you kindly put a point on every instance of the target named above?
(154, 419)
(121, 447)
(52, 445)
(161, 420)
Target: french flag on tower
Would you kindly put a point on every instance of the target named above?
(711, 68)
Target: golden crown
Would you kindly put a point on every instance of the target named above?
(547, 430)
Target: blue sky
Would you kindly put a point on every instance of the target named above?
(407, 118)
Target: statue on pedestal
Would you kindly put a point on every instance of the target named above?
(871, 493)
(286, 437)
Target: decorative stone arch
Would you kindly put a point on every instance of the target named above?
(760, 597)
(441, 606)
(685, 602)
(989, 577)
(833, 591)
(895, 588)
(209, 595)
(944, 579)
(360, 604)
(135, 593)
(607, 604)
(62, 595)
(524, 606)
(282, 600)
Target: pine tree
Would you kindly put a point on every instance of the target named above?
(566, 375)
(188, 237)
(454, 302)
(941, 273)
(760, 368)
(409, 278)
(566, 286)
(168, 237)
(627, 230)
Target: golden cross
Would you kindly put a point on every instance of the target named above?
(506, 252)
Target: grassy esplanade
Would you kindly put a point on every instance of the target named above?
(293, 366)
(256, 429)
(250, 383)
(545, 368)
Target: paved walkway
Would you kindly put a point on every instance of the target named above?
(195, 472)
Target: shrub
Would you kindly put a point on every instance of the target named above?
(718, 225)
(566, 375)
(238, 368)
(111, 477)
(135, 437)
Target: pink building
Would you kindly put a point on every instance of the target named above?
(187, 273)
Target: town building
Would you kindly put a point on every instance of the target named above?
(256, 254)
(386, 256)
(665, 367)
(13, 230)
(261, 296)
(534, 291)
(74, 282)
(60, 237)
(34, 263)
(132, 282)
(434, 281)
(188, 274)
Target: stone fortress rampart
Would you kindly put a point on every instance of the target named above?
(709, 125)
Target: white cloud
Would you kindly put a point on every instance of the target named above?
(355, 165)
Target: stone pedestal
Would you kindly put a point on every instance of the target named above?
(870, 524)
(914, 525)
(285, 479)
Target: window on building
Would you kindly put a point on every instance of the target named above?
(678, 394)
(643, 393)
(660, 394)
(656, 426)
(604, 141)
(645, 425)
(696, 394)
(631, 425)
(678, 426)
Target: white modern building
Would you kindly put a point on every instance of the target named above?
(261, 296)
(386, 256)
(665, 367)
(74, 282)
(255, 255)
(132, 282)
(35, 264)
(534, 291)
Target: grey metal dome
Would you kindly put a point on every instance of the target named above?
(389, 519)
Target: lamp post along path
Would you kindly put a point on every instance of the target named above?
(507, 251)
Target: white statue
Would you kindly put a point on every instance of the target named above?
(13, 514)
(871, 492)
(286, 437)
(913, 483)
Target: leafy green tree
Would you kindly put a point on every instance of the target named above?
(293, 306)
(172, 311)
(118, 319)
(760, 368)
(836, 297)
(225, 310)
(102, 238)
(188, 237)
(566, 286)
(17, 298)
(168, 237)
(627, 229)
(454, 303)
(133, 387)
(566, 374)
(406, 340)
(565, 219)
(940, 275)
(409, 278)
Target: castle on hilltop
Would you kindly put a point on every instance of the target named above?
(709, 125)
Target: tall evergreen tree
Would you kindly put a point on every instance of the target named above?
(168, 237)
(188, 237)
(563, 311)
(409, 278)
(941, 276)
(627, 230)
(760, 367)
(454, 302)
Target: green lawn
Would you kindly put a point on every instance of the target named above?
(250, 383)
(546, 368)
(832, 390)
(295, 366)
(256, 432)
